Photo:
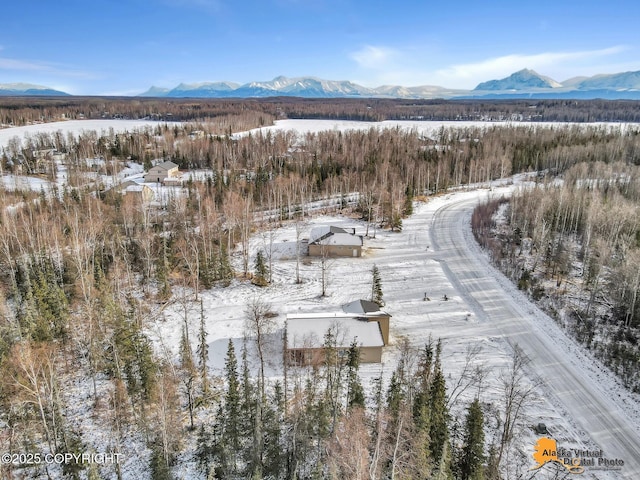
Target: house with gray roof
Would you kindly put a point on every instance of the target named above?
(306, 334)
(331, 241)
(162, 172)
(360, 320)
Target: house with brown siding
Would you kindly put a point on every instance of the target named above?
(330, 241)
(306, 333)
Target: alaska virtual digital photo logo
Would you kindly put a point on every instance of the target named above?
(574, 460)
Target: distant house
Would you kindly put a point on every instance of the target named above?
(162, 172)
(139, 193)
(333, 241)
(135, 190)
(306, 337)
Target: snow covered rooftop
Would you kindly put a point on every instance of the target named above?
(308, 330)
(168, 165)
(330, 235)
(135, 188)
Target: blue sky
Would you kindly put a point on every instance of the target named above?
(122, 47)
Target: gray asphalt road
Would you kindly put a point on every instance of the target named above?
(595, 410)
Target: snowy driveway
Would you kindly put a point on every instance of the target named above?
(590, 397)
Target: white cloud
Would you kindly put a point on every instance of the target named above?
(373, 57)
(412, 66)
(43, 67)
(554, 64)
(12, 64)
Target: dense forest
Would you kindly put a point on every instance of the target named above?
(28, 110)
(81, 267)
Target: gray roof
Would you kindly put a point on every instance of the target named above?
(330, 235)
(168, 165)
(361, 306)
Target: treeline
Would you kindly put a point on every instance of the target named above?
(27, 110)
(238, 114)
(279, 173)
(574, 245)
(323, 425)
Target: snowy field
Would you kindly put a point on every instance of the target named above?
(426, 128)
(76, 127)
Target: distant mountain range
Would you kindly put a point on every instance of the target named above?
(522, 84)
(27, 89)
(306, 87)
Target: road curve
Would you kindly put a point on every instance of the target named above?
(510, 315)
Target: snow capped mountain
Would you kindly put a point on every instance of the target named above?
(27, 89)
(522, 80)
(617, 81)
(522, 84)
(306, 87)
(202, 89)
(303, 87)
(155, 92)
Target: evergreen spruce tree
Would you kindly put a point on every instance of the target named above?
(407, 208)
(158, 466)
(355, 392)
(261, 276)
(443, 465)
(205, 452)
(376, 286)
(186, 355)
(232, 423)
(273, 419)
(44, 311)
(424, 374)
(251, 425)
(471, 463)
(224, 271)
(207, 271)
(395, 396)
(134, 358)
(203, 355)
(439, 417)
(218, 460)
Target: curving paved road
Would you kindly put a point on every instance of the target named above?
(594, 410)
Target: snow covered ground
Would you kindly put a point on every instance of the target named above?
(426, 128)
(413, 266)
(75, 127)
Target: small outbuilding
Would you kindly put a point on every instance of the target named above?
(331, 241)
(139, 193)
